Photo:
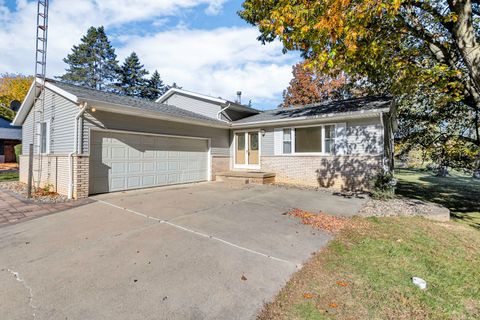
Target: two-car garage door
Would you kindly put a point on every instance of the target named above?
(123, 161)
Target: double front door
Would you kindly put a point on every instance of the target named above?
(247, 150)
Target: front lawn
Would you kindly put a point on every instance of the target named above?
(365, 273)
(458, 192)
(9, 176)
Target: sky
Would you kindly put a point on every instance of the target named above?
(202, 45)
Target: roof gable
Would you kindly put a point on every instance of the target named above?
(198, 96)
(114, 103)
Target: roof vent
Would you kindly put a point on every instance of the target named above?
(239, 97)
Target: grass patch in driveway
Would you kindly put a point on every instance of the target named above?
(9, 176)
(365, 273)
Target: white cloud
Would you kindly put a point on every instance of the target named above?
(215, 7)
(217, 62)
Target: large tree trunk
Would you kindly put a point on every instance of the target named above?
(465, 39)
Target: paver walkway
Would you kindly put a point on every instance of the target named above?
(14, 208)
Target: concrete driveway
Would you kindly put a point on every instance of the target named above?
(205, 251)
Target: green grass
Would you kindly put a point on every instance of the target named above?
(365, 273)
(9, 176)
(459, 193)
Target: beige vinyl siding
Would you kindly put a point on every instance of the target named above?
(194, 104)
(107, 120)
(60, 113)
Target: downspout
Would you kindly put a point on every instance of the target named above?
(220, 112)
(383, 128)
(75, 150)
(383, 136)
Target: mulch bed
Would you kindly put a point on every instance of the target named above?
(8, 166)
(39, 195)
(404, 207)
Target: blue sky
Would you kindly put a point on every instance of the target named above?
(200, 44)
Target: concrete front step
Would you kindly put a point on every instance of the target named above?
(246, 177)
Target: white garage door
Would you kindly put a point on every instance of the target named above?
(121, 161)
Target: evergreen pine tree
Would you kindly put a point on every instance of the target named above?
(92, 63)
(131, 81)
(155, 87)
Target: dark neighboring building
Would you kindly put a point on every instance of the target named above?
(10, 136)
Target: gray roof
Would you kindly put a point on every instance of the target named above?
(320, 109)
(7, 132)
(89, 94)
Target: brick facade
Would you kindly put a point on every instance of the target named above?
(54, 173)
(220, 164)
(81, 173)
(336, 172)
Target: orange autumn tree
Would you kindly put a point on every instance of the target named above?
(309, 86)
(12, 87)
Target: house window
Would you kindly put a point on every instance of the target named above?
(318, 139)
(308, 140)
(287, 141)
(329, 139)
(43, 137)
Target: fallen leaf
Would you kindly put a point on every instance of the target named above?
(307, 296)
(321, 220)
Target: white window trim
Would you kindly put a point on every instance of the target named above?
(40, 136)
(247, 166)
(322, 153)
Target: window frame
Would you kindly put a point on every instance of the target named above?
(292, 140)
(321, 153)
(41, 136)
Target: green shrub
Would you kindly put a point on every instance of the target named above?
(384, 185)
(18, 152)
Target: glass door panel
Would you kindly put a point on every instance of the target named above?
(253, 149)
(240, 148)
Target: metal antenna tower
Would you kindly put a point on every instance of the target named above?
(39, 102)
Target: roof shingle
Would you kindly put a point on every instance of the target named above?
(320, 109)
(89, 94)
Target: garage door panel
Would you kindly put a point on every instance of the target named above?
(118, 152)
(161, 179)
(135, 167)
(134, 182)
(148, 181)
(149, 167)
(162, 166)
(128, 161)
(161, 154)
(117, 183)
(149, 153)
(118, 168)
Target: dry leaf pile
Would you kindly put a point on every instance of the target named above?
(320, 220)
